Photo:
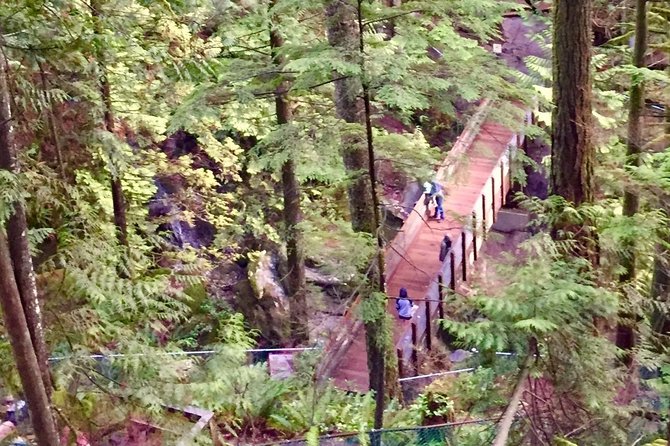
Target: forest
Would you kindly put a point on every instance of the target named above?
(335, 222)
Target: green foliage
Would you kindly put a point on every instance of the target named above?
(327, 410)
(247, 400)
(555, 300)
(541, 296)
(409, 153)
(481, 391)
(204, 68)
(430, 405)
(211, 321)
(9, 380)
(10, 193)
(373, 307)
(243, 396)
(348, 253)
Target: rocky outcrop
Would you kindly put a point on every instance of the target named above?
(259, 296)
(165, 204)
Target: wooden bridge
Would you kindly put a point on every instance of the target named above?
(476, 175)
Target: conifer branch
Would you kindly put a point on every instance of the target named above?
(391, 17)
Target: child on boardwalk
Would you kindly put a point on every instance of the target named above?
(404, 305)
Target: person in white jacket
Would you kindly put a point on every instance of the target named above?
(404, 305)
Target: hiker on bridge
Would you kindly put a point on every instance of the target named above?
(404, 305)
(439, 200)
(432, 191)
(445, 247)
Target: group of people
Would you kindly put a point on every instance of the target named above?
(432, 192)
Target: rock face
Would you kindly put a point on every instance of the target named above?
(264, 281)
(261, 298)
(181, 233)
(198, 233)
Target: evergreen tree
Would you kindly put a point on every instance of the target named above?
(22, 317)
(631, 200)
(572, 147)
(572, 152)
(343, 35)
(291, 191)
(118, 197)
(17, 234)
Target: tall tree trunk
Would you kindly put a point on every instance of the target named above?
(24, 352)
(572, 151)
(625, 331)
(292, 212)
(118, 197)
(51, 121)
(631, 201)
(507, 418)
(660, 282)
(17, 234)
(389, 382)
(345, 34)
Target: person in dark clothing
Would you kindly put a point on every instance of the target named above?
(439, 209)
(445, 246)
(404, 305)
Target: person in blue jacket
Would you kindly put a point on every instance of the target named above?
(432, 191)
(404, 305)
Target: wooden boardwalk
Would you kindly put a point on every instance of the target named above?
(476, 177)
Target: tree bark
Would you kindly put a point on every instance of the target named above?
(17, 234)
(118, 197)
(24, 353)
(343, 35)
(345, 30)
(51, 121)
(631, 202)
(572, 151)
(292, 212)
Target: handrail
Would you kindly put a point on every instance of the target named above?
(464, 141)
